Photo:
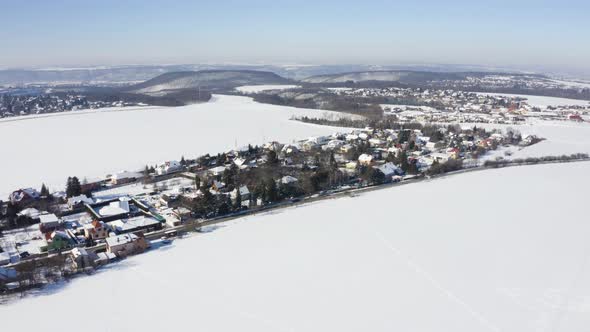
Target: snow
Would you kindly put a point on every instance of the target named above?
(261, 88)
(420, 257)
(542, 101)
(561, 137)
(93, 143)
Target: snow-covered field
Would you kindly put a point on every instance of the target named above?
(260, 88)
(423, 257)
(93, 143)
(561, 137)
(542, 101)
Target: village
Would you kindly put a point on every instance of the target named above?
(454, 106)
(97, 221)
(26, 104)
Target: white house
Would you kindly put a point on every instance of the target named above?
(168, 167)
(78, 200)
(365, 159)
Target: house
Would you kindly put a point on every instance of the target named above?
(118, 207)
(89, 185)
(170, 199)
(79, 201)
(389, 170)
(244, 194)
(288, 179)
(126, 244)
(346, 148)
(103, 258)
(135, 224)
(30, 213)
(96, 230)
(217, 185)
(168, 167)
(58, 240)
(24, 196)
(365, 159)
(48, 223)
(125, 177)
(7, 274)
(81, 258)
(216, 171)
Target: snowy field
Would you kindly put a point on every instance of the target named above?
(50, 148)
(422, 257)
(561, 137)
(260, 88)
(542, 101)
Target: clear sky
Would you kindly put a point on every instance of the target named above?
(516, 32)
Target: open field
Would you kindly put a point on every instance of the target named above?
(93, 143)
(351, 264)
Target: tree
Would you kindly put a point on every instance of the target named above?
(271, 158)
(182, 161)
(73, 187)
(11, 211)
(272, 192)
(404, 161)
(44, 191)
(197, 182)
(230, 175)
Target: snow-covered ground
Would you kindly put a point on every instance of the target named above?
(50, 148)
(561, 137)
(542, 101)
(422, 257)
(260, 88)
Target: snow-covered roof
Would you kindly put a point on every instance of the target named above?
(288, 179)
(114, 208)
(120, 239)
(48, 219)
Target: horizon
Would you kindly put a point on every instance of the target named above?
(524, 35)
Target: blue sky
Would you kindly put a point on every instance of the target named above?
(501, 33)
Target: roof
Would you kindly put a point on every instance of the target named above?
(80, 199)
(48, 218)
(120, 239)
(30, 212)
(126, 175)
(388, 169)
(115, 208)
(130, 224)
(288, 179)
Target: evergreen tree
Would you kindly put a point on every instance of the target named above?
(272, 192)
(73, 187)
(44, 191)
(182, 161)
(404, 161)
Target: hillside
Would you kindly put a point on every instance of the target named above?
(206, 79)
(405, 76)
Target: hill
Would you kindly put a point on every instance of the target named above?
(404, 76)
(206, 79)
